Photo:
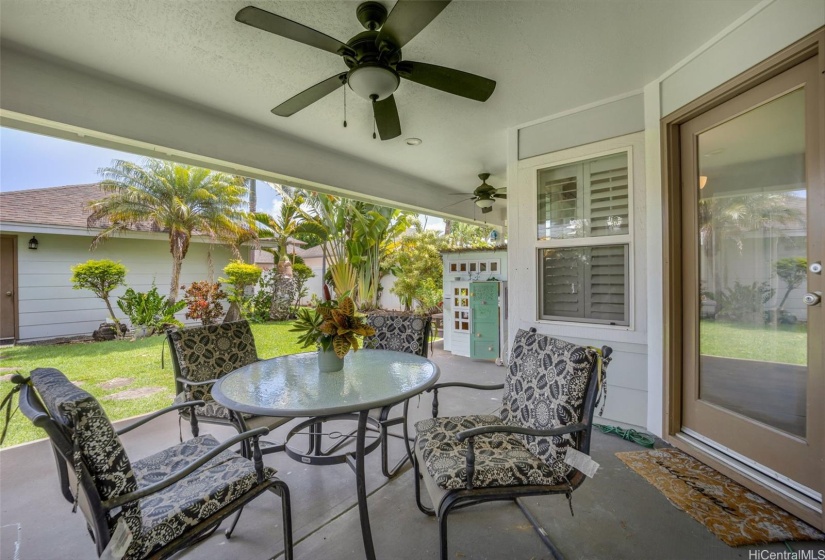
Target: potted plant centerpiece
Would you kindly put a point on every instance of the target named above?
(334, 327)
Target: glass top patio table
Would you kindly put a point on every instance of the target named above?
(292, 385)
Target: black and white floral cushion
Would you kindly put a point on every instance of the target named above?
(97, 442)
(501, 459)
(545, 388)
(399, 332)
(167, 514)
(210, 352)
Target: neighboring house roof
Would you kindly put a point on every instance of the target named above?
(55, 206)
(267, 258)
(474, 249)
(316, 251)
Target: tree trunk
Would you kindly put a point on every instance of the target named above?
(176, 266)
(118, 333)
(178, 246)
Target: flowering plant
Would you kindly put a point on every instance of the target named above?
(332, 324)
(202, 300)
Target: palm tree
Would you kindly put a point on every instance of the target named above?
(181, 200)
(290, 221)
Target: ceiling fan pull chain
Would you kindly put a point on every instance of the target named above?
(345, 107)
(373, 126)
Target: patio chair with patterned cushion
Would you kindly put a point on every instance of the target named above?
(156, 506)
(202, 355)
(402, 332)
(550, 393)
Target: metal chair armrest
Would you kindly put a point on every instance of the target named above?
(438, 386)
(161, 412)
(569, 429)
(195, 383)
(183, 473)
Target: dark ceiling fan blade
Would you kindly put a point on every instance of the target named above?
(447, 79)
(459, 202)
(497, 195)
(386, 118)
(486, 210)
(267, 21)
(407, 19)
(462, 194)
(310, 95)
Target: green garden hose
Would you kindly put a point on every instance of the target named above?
(645, 440)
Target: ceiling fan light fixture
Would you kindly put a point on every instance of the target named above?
(484, 202)
(373, 82)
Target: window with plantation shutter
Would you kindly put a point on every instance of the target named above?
(585, 283)
(584, 240)
(584, 199)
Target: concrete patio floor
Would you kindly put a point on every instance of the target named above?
(617, 513)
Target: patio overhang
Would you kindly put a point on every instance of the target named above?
(53, 98)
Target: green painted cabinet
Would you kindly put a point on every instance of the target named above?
(485, 319)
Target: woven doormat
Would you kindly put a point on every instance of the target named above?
(729, 510)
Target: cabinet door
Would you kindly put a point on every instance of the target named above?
(485, 320)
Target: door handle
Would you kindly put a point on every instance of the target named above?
(812, 298)
(9, 294)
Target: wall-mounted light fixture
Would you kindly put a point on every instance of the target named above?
(33, 243)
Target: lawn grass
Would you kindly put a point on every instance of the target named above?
(786, 344)
(90, 364)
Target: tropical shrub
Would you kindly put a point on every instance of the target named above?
(744, 303)
(100, 277)
(203, 301)
(260, 303)
(240, 275)
(301, 273)
(150, 309)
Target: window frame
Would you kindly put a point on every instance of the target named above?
(623, 239)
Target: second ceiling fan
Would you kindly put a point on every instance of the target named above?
(374, 59)
(484, 195)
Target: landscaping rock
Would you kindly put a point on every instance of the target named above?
(130, 394)
(117, 382)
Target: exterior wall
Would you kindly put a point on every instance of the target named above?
(457, 342)
(761, 32)
(389, 300)
(635, 379)
(627, 379)
(49, 307)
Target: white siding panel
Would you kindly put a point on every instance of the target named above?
(616, 118)
(48, 305)
(628, 406)
(778, 25)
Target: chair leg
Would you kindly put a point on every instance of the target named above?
(442, 533)
(417, 477)
(545, 538)
(385, 469)
(282, 490)
(231, 529)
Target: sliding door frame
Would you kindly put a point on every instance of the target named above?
(810, 46)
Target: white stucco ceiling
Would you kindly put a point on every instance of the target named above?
(547, 57)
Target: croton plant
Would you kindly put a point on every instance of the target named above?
(333, 324)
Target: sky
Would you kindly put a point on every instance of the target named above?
(33, 161)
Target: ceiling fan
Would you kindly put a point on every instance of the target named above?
(374, 59)
(484, 195)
